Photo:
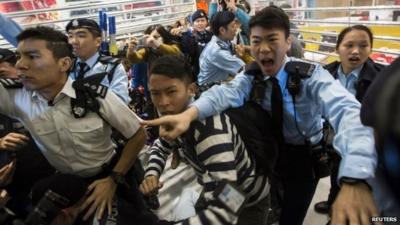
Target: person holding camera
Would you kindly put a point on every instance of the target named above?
(297, 95)
(156, 42)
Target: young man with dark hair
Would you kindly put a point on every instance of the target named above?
(212, 147)
(296, 110)
(21, 161)
(75, 140)
(218, 61)
(85, 37)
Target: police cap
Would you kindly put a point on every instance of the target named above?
(198, 14)
(221, 19)
(7, 56)
(83, 23)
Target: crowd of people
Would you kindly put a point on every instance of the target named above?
(72, 123)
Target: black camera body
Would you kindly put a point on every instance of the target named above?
(223, 5)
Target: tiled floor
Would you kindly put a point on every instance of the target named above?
(183, 176)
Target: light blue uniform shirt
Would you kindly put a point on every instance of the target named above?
(349, 82)
(320, 96)
(217, 62)
(9, 29)
(119, 83)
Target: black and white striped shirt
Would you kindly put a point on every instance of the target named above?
(218, 153)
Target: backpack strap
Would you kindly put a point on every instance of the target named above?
(87, 90)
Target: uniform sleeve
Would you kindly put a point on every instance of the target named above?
(118, 115)
(215, 150)
(225, 61)
(159, 153)
(354, 141)
(169, 49)
(119, 84)
(221, 97)
(12, 31)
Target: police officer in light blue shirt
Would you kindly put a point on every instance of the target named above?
(218, 60)
(85, 37)
(9, 29)
(318, 95)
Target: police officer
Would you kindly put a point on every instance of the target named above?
(194, 41)
(75, 140)
(297, 95)
(85, 37)
(218, 60)
(21, 161)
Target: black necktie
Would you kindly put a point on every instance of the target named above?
(83, 68)
(277, 108)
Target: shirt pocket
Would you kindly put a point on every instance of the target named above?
(45, 132)
(88, 131)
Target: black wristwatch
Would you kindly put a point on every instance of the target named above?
(118, 178)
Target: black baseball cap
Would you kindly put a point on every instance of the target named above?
(83, 23)
(198, 14)
(7, 56)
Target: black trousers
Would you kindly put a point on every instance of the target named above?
(296, 171)
(334, 166)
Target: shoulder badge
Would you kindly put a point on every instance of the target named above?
(222, 45)
(109, 60)
(303, 69)
(11, 83)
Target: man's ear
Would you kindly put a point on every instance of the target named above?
(65, 64)
(97, 40)
(289, 42)
(192, 89)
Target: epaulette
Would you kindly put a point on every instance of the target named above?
(11, 83)
(109, 60)
(302, 69)
(223, 45)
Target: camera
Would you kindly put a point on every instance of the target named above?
(46, 210)
(223, 5)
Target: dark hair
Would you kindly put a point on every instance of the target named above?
(172, 66)
(355, 27)
(221, 19)
(271, 17)
(57, 42)
(168, 38)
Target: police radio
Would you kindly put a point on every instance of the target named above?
(297, 71)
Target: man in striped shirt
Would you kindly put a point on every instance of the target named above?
(211, 146)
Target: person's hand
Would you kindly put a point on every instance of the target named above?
(100, 199)
(13, 141)
(240, 50)
(7, 173)
(132, 44)
(178, 31)
(172, 126)
(354, 205)
(4, 197)
(231, 5)
(150, 185)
